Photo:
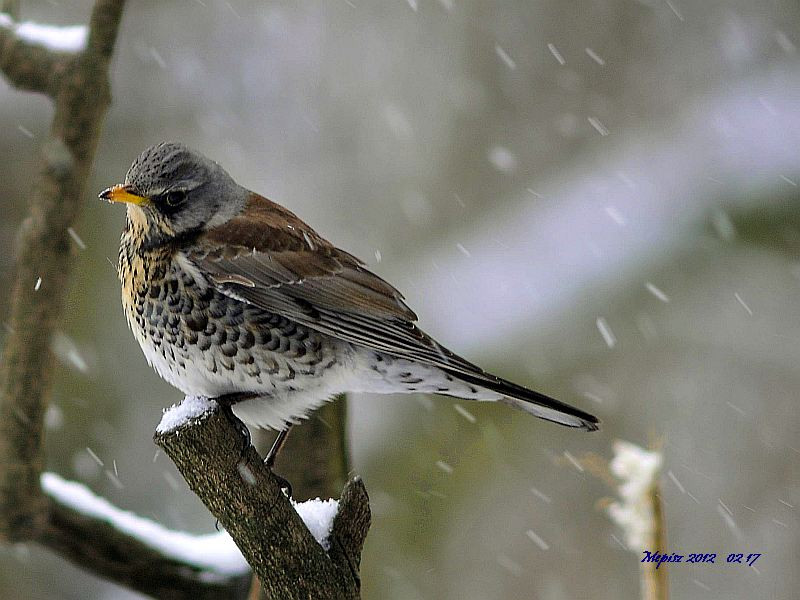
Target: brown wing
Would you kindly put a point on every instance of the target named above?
(268, 257)
(269, 249)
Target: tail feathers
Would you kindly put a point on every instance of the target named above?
(531, 402)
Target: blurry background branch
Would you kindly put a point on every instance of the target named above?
(247, 499)
(316, 458)
(42, 267)
(108, 552)
(71, 66)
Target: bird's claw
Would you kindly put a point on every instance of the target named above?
(226, 403)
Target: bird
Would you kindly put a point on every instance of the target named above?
(231, 295)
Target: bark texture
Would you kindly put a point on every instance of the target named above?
(246, 497)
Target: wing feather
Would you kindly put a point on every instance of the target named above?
(270, 258)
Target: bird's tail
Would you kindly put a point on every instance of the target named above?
(529, 401)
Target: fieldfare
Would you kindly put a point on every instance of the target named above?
(232, 295)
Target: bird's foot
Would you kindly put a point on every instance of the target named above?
(284, 483)
(226, 404)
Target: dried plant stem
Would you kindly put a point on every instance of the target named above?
(654, 581)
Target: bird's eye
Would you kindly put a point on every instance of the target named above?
(175, 198)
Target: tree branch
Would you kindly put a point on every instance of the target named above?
(247, 499)
(78, 84)
(81, 95)
(28, 66)
(94, 543)
(315, 459)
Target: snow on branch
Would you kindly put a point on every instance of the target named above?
(640, 512)
(215, 552)
(70, 38)
(191, 409)
(318, 516)
(638, 470)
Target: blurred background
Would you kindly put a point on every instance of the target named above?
(598, 199)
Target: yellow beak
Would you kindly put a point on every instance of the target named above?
(122, 193)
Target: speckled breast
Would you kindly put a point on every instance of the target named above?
(206, 343)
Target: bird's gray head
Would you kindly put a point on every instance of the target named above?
(178, 190)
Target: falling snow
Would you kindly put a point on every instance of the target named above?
(657, 292)
(674, 9)
(66, 351)
(743, 304)
(95, 457)
(599, 127)
(540, 495)
(76, 238)
(595, 57)
(464, 413)
(677, 483)
(605, 331)
(574, 461)
(509, 62)
(556, 54)
(537, 540)
(616, 215)
(444, 466)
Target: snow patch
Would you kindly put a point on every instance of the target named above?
(318, 516)
(71, 38)
(638, 470)
(192, 408)
(215, 552)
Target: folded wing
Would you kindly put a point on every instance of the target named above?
(268, 257)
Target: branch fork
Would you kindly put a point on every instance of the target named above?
(248, 500)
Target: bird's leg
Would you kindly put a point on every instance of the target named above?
(226, 403)
(277, 445)
(269, 461)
